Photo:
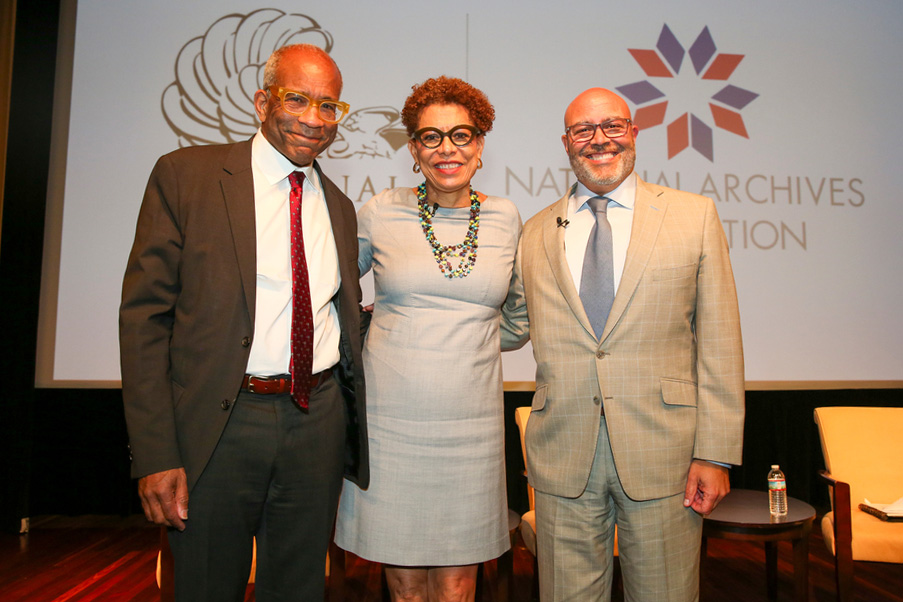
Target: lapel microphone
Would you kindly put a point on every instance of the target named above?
(435, 209)
(562, 223)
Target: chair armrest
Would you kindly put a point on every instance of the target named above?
(829, 478)
(826, 476)
(840, 501)
(843, 535)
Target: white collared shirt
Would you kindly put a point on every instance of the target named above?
(581, 221)
(271, 346)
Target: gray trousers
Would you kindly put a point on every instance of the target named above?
(276, 474)
(658, 541)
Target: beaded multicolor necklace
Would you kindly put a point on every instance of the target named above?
(466, 252)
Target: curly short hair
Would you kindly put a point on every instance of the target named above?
(444, 90)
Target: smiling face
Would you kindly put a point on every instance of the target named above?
(600, 163)
(300, 137)
(448, 168)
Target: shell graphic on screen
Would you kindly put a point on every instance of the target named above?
(211, 100)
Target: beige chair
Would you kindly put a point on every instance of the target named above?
(863, 450)
(528, 520)
(528, 524)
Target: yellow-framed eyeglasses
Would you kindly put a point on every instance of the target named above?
(298, 103)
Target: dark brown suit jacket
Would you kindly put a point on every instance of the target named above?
(187, 314)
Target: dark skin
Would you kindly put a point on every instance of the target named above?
(164, 495)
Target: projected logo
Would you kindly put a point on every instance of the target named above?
(690, 128)
(211, 100)
(369, 132)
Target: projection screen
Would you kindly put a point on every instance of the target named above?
(784, 113)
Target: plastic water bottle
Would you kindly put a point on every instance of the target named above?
(777, 491)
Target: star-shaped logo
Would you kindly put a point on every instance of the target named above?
(689, 129)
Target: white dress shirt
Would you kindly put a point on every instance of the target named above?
(581, 221)
(271, 346)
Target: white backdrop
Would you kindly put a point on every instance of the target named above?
(798, 146)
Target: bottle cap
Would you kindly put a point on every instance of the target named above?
(775, 466)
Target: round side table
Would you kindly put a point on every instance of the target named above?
(743, 516)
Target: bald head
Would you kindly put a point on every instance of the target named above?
(599, 162)
(299, 52)
(595, 101)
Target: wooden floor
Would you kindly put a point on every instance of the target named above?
(100, 558)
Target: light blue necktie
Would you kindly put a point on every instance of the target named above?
(597, 281)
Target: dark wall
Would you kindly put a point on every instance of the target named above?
(779, 429)
(80, 460)
(25, 191)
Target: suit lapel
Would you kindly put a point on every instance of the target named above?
(339, 222)
(238, 193)
(648, 213)
(553, 241)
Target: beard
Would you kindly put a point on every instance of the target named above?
(608, 177)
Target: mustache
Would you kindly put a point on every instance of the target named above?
(307, 131)
(608, 146)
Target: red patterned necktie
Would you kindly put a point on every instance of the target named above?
(302, 314)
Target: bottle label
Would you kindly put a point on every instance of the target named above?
(777, 485)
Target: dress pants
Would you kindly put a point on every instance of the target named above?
(276, 474)
(658, 541)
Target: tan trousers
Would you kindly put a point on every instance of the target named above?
(658, 541)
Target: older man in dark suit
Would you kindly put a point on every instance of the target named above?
(241, 348)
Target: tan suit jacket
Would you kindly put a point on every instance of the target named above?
(668, 368)
(188, 302)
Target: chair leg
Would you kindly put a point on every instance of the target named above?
(617, 584)
(335, 587)
(534, 585)
(505, 566)
(384, 594)
(843, 542)
(487, 585)
(167, 569)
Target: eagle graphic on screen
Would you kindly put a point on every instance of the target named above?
(369, 132)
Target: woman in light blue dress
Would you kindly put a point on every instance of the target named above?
(442, 257)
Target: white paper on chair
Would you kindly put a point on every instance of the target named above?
(894, 509)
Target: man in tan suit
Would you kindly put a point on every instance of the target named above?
(639, 400)
(220, 421)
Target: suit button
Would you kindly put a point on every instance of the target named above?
(226, 404)
(600, 354)
(596, 400)
(246, 342)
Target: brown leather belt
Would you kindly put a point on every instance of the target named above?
(271, 385)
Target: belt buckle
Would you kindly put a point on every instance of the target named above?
(261, 380)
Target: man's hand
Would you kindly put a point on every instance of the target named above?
(707, 484)
(164, 497)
